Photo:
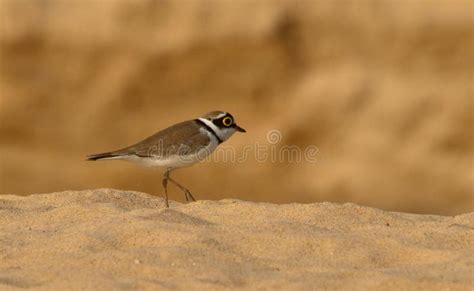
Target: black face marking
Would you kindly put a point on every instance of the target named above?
(224, 121)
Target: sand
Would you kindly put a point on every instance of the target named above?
(105, 238)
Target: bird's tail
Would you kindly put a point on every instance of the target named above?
(104, 156)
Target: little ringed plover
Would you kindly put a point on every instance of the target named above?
(180, 145)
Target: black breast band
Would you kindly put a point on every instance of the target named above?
(209, 129)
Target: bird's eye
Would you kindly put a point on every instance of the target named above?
(227, 121)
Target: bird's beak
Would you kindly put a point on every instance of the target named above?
(240, 129)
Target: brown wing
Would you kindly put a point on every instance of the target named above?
(180, 139)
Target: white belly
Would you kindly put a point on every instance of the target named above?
(177, 161)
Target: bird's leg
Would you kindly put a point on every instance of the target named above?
(187, 193)
(166, 177)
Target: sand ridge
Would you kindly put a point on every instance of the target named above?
(117, 239)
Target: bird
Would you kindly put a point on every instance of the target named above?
(180, 145)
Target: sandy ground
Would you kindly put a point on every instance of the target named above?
(107, 238)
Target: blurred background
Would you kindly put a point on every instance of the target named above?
(384, 89)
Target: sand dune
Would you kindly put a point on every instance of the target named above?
(120, 239)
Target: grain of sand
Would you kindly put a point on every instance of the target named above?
(111, 239)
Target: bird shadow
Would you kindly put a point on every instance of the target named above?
(176, 217)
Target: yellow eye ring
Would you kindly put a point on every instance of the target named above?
(227, 121)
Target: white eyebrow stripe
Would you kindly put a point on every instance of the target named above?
(221, 115)
(212, 126)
